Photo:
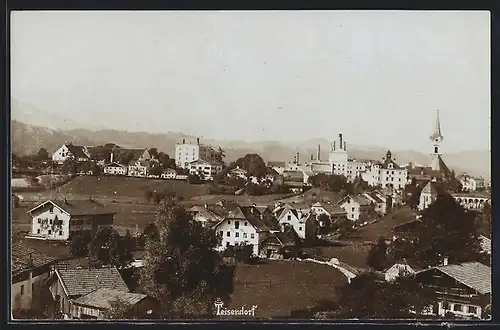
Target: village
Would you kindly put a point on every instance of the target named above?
(318, 224)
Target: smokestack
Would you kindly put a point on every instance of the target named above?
(198, 141)
(319, 152)
(333, 145)
(297, 158)
(345, 146)
(183, 141)
(340, 137)
(111, 157)
(311, 156)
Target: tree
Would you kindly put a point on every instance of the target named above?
(243, 252)
(154, 153)
(70, 166)
(109, 248)
(166, 161)
(125, 157)
(182, 270)
(155, 169)
(42, 154)
(377, 255)
(120, 310)
(330, 182)
(79, 246)
(368, 297)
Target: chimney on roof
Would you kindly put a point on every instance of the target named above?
(297, 158)
(65, 200)
(345, 146)
(183, 141)
(198, 141)
(111, 157)
(319, 152)
(311, 157)
(340, 138)
(445, 261)
(333, 145)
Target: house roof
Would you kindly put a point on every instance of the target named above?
(472, 194)
(276, 164)
(238, 170)
(389, 161)
(475, 275)
(406, 262)
(85, 280)
(293, 176)
(114, 164)
(134, 162)
(330, 208)
(374, 196)
(102, 297)
(359, 199)
(205, 161)
(433, 188)
(423, 173)
(207, 214)
(77, 207)
(293, 184)
(485, 243)
(169, 170)
(137, 153)
(246, 213)
(25, 257)
(77, 151)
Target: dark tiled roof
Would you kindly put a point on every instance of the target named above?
(85, 280)
(331, 209)
(475, 275)
(77, 151)
(252, 215)
(276, 164)
(293, 184)
(137, 153)
(79, 207)
(101, 298)
(25, 257)
(361, 200)
(293, 176)
(114, 164)
(207, 214)
(433, 188)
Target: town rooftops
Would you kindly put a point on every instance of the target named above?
(475, 275)
(25, 257)
(85, 280)
(276, 164)
(433, 188)
(330, 208)
(77, 151)
(102, 297)
(205, 161)
(206, 213)
(359, 199)
(76, 207)
(246, 213)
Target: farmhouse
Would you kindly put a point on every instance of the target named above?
(379, 202)
(275, 244)
(204, 215)
(95, 303)
(67, 285)
(169, 173)
(71, 151)
(297, 218)
(62, 220)
(400, 268)
(115, 169)
(139, 168)
(242, 225)
(461, 289)
(207, 169)
(335, 212)
(30, 268)
(356, 207)
(238, 173)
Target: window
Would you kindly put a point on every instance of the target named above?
(472, 309)
(237, 234)
(51, 210)
(229, 222)
(228, 234)
(446, 306)
(221, 233)
(38, 231)
(50, 231)
(22, 290)
(300, 228)
(353, 209)
(244, 235)
(252, 235)
(245, 224)
(237, 224)
(227, 244)
(60, 232)
(50, 221)
(39, 220)
(457, 308)
(289, 217)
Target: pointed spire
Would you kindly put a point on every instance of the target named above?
(437, 129)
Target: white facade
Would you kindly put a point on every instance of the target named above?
(185, 154)
(138, 169)
(353, 207)
(169, 174)
(468, 182)
(341, 164)
(208, 169)
(397, 270)
(64, 153)
(237, 231)
(377, 175)
(115, 169)
(298, 222)
(466, 310)
(52, 223)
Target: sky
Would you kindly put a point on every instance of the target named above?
(376, 77)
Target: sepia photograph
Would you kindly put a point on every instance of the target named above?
(250, 165)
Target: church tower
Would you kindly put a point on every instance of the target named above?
(436, 138)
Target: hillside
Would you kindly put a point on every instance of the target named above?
(28, 139)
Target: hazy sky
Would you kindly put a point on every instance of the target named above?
(377, 77)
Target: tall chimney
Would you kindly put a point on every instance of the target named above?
(345, 146)
(311, 156)
(319, 152)
(198, 141)
(183, 141)
(297, 158)
(111, 157)
(340, 137)
(333, 145)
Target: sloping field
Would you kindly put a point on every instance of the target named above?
(277, 287)
(384, 226)
(243, 199)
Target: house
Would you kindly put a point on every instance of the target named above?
(400, 268)
(357, 207)
(94, 304)
(485, 243)
(129, 155)
(468, 182)
(406, 230)
(203, 215)
(386, 174)
(169, 173)
(242, 225)
(186, 153)
(463, 290)
(273, 246)
(279, 167)
(341, 164)
(306, 173)
(295, 218)
(379, 201)
(115, 169)
(429, 194)
(71, 151)
(205, 168)
(139, 168)
(335, 212)
(62, 220)
(30, 268)
(67, 285)
(238, 173)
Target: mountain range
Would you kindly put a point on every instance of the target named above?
(32, 129)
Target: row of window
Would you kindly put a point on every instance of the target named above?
(33, 286)
(49, 232)
(460, 308)
(237, 223)
(237, 234)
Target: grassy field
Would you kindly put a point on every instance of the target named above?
(353, 254)
(383, 226)
(277, 287)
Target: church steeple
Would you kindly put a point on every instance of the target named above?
(437, 137)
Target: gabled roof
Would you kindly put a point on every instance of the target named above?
(114, 164)
(169, 170)
(25, 257)
(136, 162)
(433, 188)
(359, 199)
(276, 164)
(238, 170)
(474, 275)
(442, 167)
(246, 213)
(77, 207)
(204, 161)
(293, 176)
(102, 297)
(207, 214)
(330, 208)
(404, 261)
(77, 151)
(136, 153)
(372, 196)
(85, 280)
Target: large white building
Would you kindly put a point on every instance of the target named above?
(186, 153)
(69, 150)
(341, 164)
(386, 174)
